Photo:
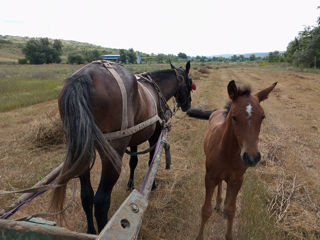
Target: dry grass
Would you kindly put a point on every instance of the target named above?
(280, 198)
(47, 130)
(204, 70)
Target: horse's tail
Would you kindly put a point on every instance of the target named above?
(82, 135)
(198, 113)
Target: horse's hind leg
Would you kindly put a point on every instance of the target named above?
(87, 200)
(133, 164)
(207, 206)
(219, 197)
(109, 177)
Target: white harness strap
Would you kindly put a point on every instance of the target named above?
(123, 90)
(132, 130)
(154, 101)
(125, 131)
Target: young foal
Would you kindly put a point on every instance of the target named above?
(231, 146)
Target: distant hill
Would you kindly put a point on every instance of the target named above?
(246, 55)
(11, 48)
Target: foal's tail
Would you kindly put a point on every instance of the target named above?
(82, 135)
(198, 113)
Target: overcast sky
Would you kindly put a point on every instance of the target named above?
(196, 27)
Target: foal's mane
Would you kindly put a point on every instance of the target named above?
(242, 91)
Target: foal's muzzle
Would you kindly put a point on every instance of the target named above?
(249, 160)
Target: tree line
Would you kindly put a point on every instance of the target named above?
(304, 50)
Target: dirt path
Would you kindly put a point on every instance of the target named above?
(290, 146)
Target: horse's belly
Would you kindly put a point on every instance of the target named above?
(142, 135)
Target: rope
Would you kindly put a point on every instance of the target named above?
(43, 215)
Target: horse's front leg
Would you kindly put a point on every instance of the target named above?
(206, 211)
(230, 204)
(133, 162)
(152, 142)
(87, 195)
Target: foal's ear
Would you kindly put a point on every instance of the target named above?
(232, 90)
(188, 67)
(263, 94)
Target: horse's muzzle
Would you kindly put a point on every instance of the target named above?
(251, 161)
(185, 107)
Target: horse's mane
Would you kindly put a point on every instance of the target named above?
(165, 71)
(242, 91)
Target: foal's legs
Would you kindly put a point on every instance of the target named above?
(87, 200)
(219, 197)
(207, 207)
(133, 164)
(230, 204)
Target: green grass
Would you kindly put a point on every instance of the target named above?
(255, 222)
(23, 85)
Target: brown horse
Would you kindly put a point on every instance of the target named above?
(91, 104)
(230, 146)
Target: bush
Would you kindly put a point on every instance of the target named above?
(22, 61)
(75, 58)
(43, 51)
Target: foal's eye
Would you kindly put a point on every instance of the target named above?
(234, 118)
(263, 117)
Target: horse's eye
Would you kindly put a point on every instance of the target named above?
(263, 117)
(234, 118)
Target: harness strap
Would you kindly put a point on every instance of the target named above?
(132, 130)
(142, 152)
(147, 90)
(123, 90)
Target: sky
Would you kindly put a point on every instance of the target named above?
(194, 27)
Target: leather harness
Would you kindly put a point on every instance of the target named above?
(125, 131)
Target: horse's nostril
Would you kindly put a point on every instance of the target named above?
(251, 160)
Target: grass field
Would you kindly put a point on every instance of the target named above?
(24, 85)
(280, 197)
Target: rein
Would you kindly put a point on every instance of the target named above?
(165, 111)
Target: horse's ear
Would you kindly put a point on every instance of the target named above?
(172, 67)
(188, 67)
(232, 90)
(263, 94)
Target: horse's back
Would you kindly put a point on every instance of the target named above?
(106, 96)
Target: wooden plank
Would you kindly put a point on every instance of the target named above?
(126, 222)
(30, 231)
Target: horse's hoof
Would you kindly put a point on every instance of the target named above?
(217, 208)
(92, 231)
(225, 216)
(130, 187)
(154, 186)
(199, 237)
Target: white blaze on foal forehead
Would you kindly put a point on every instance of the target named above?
(249, 109)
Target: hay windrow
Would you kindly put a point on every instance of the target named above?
(46, 130)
